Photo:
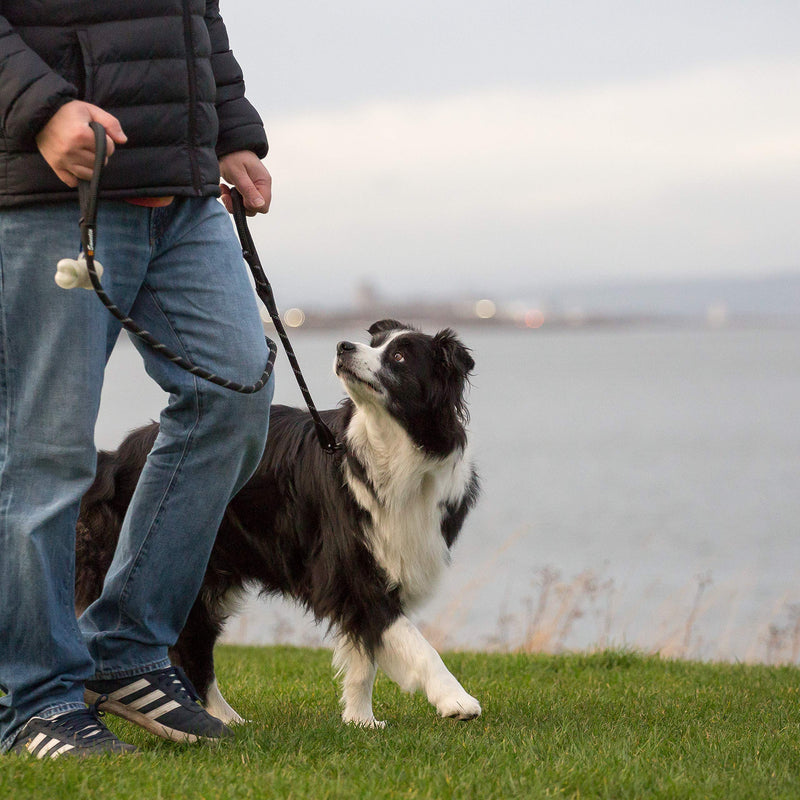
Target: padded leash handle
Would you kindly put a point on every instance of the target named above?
(88, 193)
(263, 289)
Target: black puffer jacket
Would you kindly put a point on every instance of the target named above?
(162, 67)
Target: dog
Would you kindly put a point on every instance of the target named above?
(359, 538)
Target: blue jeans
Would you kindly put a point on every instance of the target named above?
(179, 272)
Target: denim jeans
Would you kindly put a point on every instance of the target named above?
(179, 272)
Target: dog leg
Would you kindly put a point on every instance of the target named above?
(357, 671)
(217, 706)
(194, 652)
(412, 662)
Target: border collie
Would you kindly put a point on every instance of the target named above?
(359, 538)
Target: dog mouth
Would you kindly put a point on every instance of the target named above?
(348, 374)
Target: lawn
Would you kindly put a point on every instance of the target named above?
(611, 725)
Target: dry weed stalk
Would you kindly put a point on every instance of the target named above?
(783, 640)
(549, 617)
(678, 643)
(559, 606)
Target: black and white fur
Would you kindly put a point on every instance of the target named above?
(359, 538)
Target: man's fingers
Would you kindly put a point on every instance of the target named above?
(73, 173)
(244, 170)
(81, 172)
(67, 177)
(83, 161)
(264, 189)
(113, 128)
(250, 194)
(225, 196)
(67, 142)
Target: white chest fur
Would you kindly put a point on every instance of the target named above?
(406, 501)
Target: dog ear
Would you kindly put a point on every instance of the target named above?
(384, 325)
(454, 354)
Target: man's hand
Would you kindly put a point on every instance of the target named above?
(67, 141)
(244, 170)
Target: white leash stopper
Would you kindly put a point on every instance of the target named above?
(71, 273)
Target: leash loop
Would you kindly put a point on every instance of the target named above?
(88, 194)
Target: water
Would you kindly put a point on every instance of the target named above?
(640, 489)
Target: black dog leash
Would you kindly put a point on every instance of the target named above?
(263, 289)
(88, 194)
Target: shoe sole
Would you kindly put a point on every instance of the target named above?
(143, 721)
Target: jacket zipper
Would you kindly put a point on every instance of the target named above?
(192, 74)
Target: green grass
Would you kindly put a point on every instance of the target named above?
(611, 725)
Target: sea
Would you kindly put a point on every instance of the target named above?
(640, 489)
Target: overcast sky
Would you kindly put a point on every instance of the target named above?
(481, 147)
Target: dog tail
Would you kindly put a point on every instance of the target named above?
(96, 534)
(102, 511)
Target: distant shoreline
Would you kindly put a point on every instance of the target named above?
(334, 320)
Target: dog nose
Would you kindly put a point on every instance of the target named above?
(345, 347)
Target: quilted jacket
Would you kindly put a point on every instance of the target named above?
(162, 67)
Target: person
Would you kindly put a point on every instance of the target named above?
(159, 76)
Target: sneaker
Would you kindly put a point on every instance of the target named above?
(163, 702)
(75, 733)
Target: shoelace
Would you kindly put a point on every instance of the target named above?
(175, 678)
(84, 723)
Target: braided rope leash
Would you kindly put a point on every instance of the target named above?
(263, 289)
(69, 275)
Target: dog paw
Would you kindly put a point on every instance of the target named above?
(228, 716)
(363, 722)
(218, 707)
(461, 707)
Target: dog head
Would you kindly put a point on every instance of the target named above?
(417, 379)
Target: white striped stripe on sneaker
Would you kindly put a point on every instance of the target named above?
(35, 742)
(45, 749)
(61, 750)
(161, 710)
(127, 690)
(146, 700)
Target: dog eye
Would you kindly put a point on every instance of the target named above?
(398, 356)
